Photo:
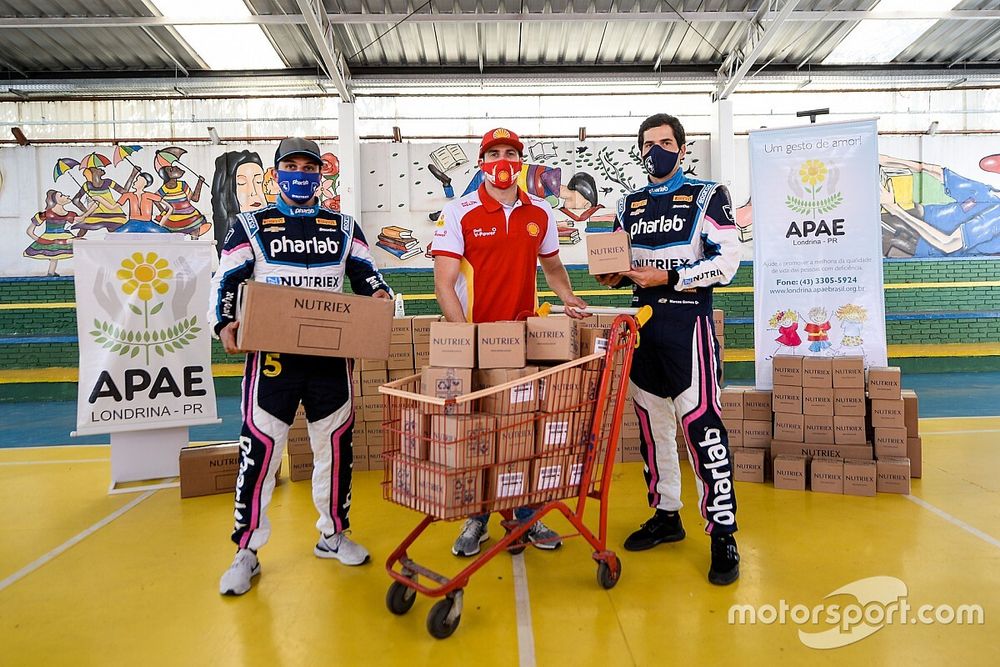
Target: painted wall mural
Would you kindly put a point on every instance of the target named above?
(940, 194)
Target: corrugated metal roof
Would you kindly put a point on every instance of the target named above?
(377, 45)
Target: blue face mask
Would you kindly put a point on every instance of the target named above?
(659, 162)
(299, 186)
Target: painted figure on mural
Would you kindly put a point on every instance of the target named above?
(930, 211)
(270, 185)
(55, 241)
(237, 187)
(185, 219)
(330, 172)
(108, 213)
(143, 206)
(787, 324)
(852, 318)
(818, 330)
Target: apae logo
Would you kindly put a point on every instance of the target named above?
(808, 196)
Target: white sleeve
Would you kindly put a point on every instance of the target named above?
(448, 238)
(550, 243)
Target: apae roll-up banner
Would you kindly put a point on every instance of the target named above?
(145, 348)
(817, 243)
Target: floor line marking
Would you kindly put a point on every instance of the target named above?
(31, 567)
(525, 633)
(954, 520)
(41, 463)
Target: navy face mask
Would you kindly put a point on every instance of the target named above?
(659, 162)
(299, 186)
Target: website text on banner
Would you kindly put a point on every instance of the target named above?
(817, 256)
(145, 352)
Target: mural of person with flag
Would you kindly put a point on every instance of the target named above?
(185, 218)
(108, 213)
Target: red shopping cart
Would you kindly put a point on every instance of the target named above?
(540, 440)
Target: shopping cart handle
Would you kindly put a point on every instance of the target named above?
(641, 315)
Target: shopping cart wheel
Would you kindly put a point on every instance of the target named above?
(608, 576)
(400, 598)
(444, 616)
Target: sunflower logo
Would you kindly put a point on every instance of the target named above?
(144, 276)
(812, 172)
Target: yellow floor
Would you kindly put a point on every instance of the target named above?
(142, 589)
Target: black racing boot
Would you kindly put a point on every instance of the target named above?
(725, 560)
(662, 527)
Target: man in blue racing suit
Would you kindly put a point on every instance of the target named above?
(684, 242)
(292, 242)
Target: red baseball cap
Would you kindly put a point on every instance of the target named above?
(500, 136)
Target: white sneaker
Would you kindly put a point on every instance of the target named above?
(236, 580)
(341, 547)
(473, 534)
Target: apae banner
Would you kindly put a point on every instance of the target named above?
(145, 348)
(817, 254)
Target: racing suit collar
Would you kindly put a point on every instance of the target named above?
(668, 186)
(296, 211)
(492, 205)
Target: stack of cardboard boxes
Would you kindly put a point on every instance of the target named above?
(526, 436)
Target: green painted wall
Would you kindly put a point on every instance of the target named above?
(62, 321)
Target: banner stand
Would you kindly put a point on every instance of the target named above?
(146, 455)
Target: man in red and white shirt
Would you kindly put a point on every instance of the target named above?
(487, 248)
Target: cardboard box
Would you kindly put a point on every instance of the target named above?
(298, 438)
(914, 452)
(817, 372)
(463, 441)
(608, 252)
(849, 372)
(421, 355)
(372, 380)
(884, 382)
(548, 474)
(757, 434)
(447, 383)
(787, 427)
(404, 481)
(400, 373)
(849, 402)
(757, 405)
(359, 462)
(735, 432)
(400, 357)
(374, 434)
(421, 328)
(859, 477)
(748, 465)
(818, 429)
(631, 451)
(887, 413)
(593, 339)
(413, 433)
(786, 370)
(358, 436)
(449, 492)
(372, 408)
(787, 399)
(563, 431)
(552, 339)
(566, 390)
(790, 472)
(519, 398)
(515, 437)
(890, 442)
(501, 345)
(300, 466)
(630, 423)
(356, 384)
(911, 417)
(373, 364)
(849, 430)
(718, 320)
(817, 401)
(827, 475)
(605, 320)
(809, 450)
(453, 345)
(508, 484)
(732, 403)
(402, 331)
(893, 475)
(275, 318)
(209, 469)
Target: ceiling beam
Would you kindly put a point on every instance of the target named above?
(804, 16)
(321, 32)
(751, 45)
